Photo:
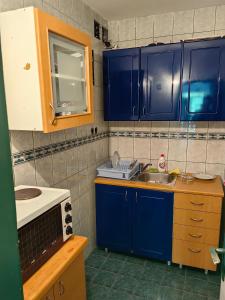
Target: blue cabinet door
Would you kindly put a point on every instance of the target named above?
(160, 77)
(153, 223)
(121, 84)
(203, 84)
(113, 217)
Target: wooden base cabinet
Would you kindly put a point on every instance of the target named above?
(71, 285)
(192, 254)
(62, 277)
(196, 228)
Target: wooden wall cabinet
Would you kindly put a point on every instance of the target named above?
(47, 72)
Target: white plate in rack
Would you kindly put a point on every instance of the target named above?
(204, 176)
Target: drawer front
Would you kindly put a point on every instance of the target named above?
(196, 218)
(192, 254)
(196, 234)
(198, 202)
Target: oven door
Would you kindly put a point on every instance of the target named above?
(39, 240)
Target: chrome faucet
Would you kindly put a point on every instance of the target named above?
(144, 167)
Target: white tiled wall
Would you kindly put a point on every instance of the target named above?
(189, 155)
(168, 27)
(73, 169)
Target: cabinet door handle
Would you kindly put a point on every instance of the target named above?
(194, 250)
(143, 110)
(196, 236)
(61, 288)
(54, 120)
(126, 196)
(196, 220)
(134, 109)
(136, 197)
(197, 204)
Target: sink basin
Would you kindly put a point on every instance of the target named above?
(159, 178)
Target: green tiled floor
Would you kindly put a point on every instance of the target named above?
(113, 276)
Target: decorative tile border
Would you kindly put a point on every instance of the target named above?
(169, 135)
(40, 152)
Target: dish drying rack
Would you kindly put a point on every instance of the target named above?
(125, 169)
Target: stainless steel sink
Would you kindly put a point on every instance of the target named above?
(159, 178)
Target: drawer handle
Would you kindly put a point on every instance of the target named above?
(197, 204)
(194, 251)
(61, 288)
(196, 236)
(196, 220)
(126, 196)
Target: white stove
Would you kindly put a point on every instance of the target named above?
(27, 210)
(44, 223)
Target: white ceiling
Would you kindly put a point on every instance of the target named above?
(119, 9)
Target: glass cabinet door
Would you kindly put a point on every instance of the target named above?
(68, 76)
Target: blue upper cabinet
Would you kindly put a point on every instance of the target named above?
(160, 78)
(121, 84)
(182, 81)
(203, 84)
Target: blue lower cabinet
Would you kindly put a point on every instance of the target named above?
(135, 221)
(113, 217)
(152, 225)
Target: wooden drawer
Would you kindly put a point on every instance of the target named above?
(198, 202)
(196, 218)
(192, 254)
(195, 234)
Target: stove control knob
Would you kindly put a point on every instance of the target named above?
(69, 230)
(68, 219)
(68, 207)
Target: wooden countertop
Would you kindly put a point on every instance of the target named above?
(201, 187)
(39, 284)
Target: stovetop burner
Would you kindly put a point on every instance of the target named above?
(28, 193)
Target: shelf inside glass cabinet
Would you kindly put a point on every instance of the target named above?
(68, 76)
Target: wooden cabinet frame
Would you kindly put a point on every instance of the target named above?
(44, 24)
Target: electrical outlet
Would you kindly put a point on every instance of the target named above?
(97, 30)
(104, 34)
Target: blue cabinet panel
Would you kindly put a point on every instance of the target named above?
(161, 68)
(135, 221)
(203, 84)
(153, 222)
(113, 213)
(121, 84)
